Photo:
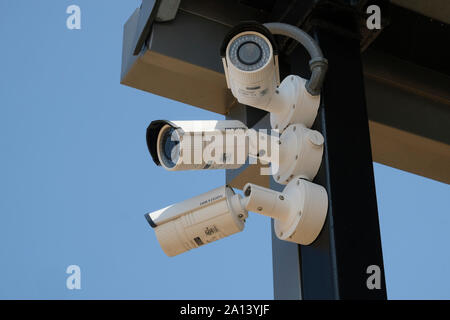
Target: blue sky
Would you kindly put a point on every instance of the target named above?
(76, 179)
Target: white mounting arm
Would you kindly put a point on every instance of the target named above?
(297, 152)
(299, 211)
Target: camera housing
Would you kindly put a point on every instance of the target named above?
(181, 145)
(299, 212)
(197, 221)
(250, 60)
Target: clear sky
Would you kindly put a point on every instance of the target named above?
(76, 179)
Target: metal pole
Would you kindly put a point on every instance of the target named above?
(341, 261)
(346, 260)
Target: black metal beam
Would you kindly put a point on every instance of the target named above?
(335, 265)
(147, 13)
(417, 39)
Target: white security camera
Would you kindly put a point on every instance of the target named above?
(183, 145)
(197, 221)
(299, 212)
(250, 60)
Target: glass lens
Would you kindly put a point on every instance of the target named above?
(170, 147)
(249, 53)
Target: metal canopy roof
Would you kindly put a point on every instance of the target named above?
(406, 68)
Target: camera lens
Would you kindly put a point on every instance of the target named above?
(249, 53)
(170, 147)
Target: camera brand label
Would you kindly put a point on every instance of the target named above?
(210, 200)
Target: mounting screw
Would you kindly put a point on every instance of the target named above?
(259, 208)
(281, 197)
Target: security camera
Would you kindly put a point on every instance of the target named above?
(197, 221)
(299, 213)
(185, 145)
(194, 145)
(250, 60)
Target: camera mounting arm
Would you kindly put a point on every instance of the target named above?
(299, 211)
